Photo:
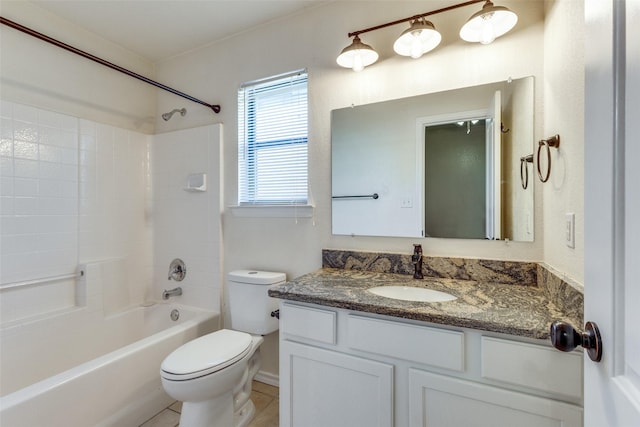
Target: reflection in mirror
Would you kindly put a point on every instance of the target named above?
(417, 155)
(455, 179)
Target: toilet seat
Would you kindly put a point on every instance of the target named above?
(206, 355)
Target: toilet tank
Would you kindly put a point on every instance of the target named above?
(250, 306)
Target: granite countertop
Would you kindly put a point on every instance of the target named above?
(512, 309)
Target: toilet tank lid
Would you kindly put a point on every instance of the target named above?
(256, 277)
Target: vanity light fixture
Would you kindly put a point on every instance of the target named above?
(357, 55)
(421, 37)
(488, 24)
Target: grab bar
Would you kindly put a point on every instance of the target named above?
(42, 280)
(373, 196)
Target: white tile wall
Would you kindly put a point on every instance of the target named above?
(71, 191)
(113, 200)
(187, 224)
(39, 198)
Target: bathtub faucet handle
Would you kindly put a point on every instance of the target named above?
(177, 270)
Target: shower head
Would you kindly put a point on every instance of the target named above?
(167, 116)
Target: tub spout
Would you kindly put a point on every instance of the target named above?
(171, 292)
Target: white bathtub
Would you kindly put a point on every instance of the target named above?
(76, 370)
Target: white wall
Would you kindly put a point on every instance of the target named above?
(564, 115)
(40, 74)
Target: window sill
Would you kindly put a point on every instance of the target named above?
(272, 211)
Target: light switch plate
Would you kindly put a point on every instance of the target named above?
(570, 231)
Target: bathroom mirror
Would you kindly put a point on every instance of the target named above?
(444, 164)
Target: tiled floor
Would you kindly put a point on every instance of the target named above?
(264, 396)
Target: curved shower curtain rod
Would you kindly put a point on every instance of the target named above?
(43, 37)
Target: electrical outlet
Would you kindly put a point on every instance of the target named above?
(570, 230)
(406, 202)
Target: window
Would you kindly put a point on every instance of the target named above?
(272, 141)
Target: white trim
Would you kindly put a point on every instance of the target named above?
(438, 119)
(272, 211)
(273, 78)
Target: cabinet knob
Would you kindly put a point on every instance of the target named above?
(565, 337)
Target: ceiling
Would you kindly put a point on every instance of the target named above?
(160, 29)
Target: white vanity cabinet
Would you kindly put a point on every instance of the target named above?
(326, 388)
(345, 368)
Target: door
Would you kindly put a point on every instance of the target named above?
(612, 210)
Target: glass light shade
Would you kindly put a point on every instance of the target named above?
(357, 55)
(421, 37)
(488, 24)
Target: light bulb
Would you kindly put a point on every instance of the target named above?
(488, 33)
(416, 46)
(358, 65)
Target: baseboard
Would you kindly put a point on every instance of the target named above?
(268, 378)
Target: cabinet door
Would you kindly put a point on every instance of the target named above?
(438, 401)
(322, 388)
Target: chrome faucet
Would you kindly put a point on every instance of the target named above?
(416, 259)
(171, 292)
(177, 270)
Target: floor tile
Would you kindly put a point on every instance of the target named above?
(166, 418)
(260, 400)
(268, 417)
(264, 396)
(177, 406)
(265, 388)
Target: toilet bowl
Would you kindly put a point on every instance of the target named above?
(212, 374)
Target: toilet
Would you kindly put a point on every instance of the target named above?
(212, 374)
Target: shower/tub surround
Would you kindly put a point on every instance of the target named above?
(84, 196)
(102, 371)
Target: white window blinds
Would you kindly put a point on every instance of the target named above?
(272, 140)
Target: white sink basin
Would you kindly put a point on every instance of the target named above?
(408, 293)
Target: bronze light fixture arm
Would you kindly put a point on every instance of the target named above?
(414, 17)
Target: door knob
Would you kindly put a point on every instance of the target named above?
(565, 337)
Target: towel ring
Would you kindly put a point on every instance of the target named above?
(554, 141)
(524, 176)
